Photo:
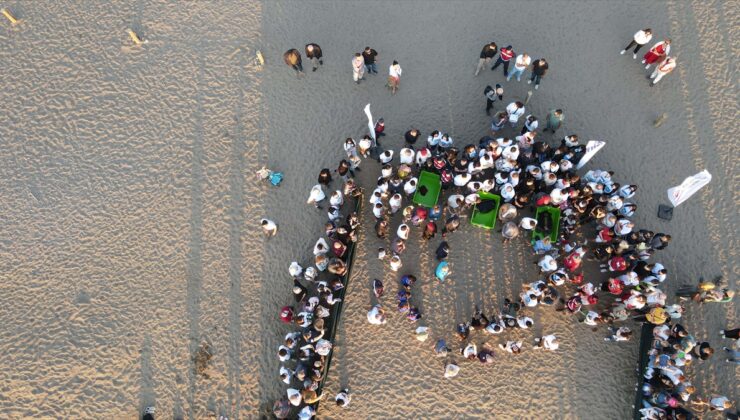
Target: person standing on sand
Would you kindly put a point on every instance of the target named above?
(657, 53)
(394, 76)
(358, 68)
(292, 57)
(539, 68)
(520, 64)
(554, 120)
(641, 38)
(486, 55)
(504, 57)
(313, 53)
(369, 55)
(492, 95)
(663, 68)
(343, 398)
(269, 227)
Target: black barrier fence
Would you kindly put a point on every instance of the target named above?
(337, 308)
(646, 343)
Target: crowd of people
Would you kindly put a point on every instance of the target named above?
(317, 290)
(526, 172)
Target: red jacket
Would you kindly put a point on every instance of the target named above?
(505, 54)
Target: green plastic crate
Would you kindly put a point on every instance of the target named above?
(433, 184)
(554, 212)
(486, 220)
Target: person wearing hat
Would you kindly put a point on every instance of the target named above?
(504, 57)
(492, 95)
(313, 53)
(486, 55)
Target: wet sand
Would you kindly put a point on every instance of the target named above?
(130, 214)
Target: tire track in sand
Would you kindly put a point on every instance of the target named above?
(195, 253)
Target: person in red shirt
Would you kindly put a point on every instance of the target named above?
(504, 57)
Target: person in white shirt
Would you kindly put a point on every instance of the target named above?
(524, 322)
(641, 38)
(343, 398)
(395, 203)
(410, 186)
(376, 315)
(378, 210)
(268, 227)
(528, 223)
(316, 196)
(422, 155)
(548, 342)
(451, 370)
(403, 231)
(461, 180)
(358, 68)
(455, 201)
(522, 62)
(470, 351)
(336, 199)
(514, 347)
(396, 263)
(663, 68)
(530, 124)
(406, 156)
(515, 110)
(394, 76)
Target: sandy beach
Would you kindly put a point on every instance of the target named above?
(129, 218)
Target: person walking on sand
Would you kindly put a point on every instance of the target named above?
(554, 120)
(539, 68)
(520, 64)
(504, 57)
(358, 68)
(394, 76)
(486, 55)
(369, 55)
(313, 53)
(292, 57)
(657, 53)
(492, 95)
(641, 38)
(269, 227)
(663, 68)
(343, 398)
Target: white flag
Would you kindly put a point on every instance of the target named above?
(592, 147)
(688, 187)
(370, 123)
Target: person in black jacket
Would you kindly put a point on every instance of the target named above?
(369, 55)
(411, 136)
(313, 52)
(486, 55)
(492, 95)
(539, 68)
